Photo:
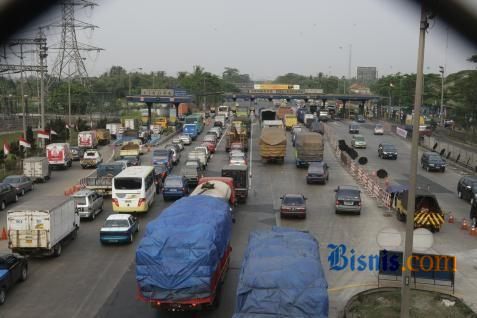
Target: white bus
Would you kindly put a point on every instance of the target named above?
(134, 189)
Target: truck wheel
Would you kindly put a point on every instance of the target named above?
(3, 296)
(58, 250)
(93, 216)
(24, 274)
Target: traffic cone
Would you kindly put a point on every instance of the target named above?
(473, 231)
(4, 234)
(451, 219)
(464, 225)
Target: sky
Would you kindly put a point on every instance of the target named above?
(265, 38)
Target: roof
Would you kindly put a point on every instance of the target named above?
(41, 203)
(293, 195)
(316, 165)
(118, 216)
(173, 176)
(348, 187)
(135, 171)
(83, 192)
(235, 167)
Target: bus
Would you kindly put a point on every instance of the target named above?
(197, 119)
(134, 189)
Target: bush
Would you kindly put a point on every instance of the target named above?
(11, 162)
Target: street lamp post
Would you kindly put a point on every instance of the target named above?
(441, 113)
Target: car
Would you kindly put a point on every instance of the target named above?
(210, 138)
(448, 123)
(358, 141)
(387, 151)
(186, 139)
(293, 205)
(353, 129)
(236, 146)
(218, 130)
(177, 141)
(432, 161)
(132, 160)
(175, 187)
(318, 172)
(125, 162)
(379, 129)
(348, 199)
(91, 159)
(119, 228)
(21, 183)
(88, 203)
(76, 153)
(203, 149)
(163, 155)
(213, 133)
(210, 146)
(361, 119)
(237, 160)
(467, 188)
(236, 152)
(194, 163)
(13, 269)
(8, 194)
(154, 142)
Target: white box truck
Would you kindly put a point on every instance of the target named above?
(42, 226)
(59, 155)
(114, 129)
(37, 169)
(87, 139)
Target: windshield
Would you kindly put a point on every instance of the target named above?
(80, 200)
(223, 108)
(173, 183)
(128, 183)
(348, 193)
(293, 200)
(388, 148)
(435, 158)
(359, 138)
(379, 126)
(160, 153)
(11, 180)
(116, 223)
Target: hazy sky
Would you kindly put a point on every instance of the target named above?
(266, 38)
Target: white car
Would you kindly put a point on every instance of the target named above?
(357, 141)
(379, 129)
(203, 149)
(177, 141)
(217, 129)
(186, 139)
(237, 160)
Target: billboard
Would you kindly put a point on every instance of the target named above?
(157, 92)
(276, 86)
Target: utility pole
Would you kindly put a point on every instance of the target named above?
(406, 274)
(69, 97)
(22, 92)
(43, 56)
(205, 99)
(441, 113)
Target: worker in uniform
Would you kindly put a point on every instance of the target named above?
(473, 213)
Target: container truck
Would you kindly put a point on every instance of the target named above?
(239, 174)
(42, 226)
(309, 148)
(183, 258)
(114, 129)
(273, 144)
(87, 139)
(282, 276)
(59, 155)
(268, 114)
(37, 169)
(102, 183)
(103, 136)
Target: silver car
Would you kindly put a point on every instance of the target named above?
(357, 141)
(177, 141)
(186, 139)
(21, 183)
(348, 199)
(89, 203)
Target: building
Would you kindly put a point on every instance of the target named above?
(366, 74)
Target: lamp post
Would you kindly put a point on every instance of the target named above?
(441, 113)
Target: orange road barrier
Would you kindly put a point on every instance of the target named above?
(473, 231)
(451, 219)
(464, 225)
(4, 234)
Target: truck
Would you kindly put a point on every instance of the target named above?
(217, 187)
(102, 183)
(289, 121)
(183, 258)
(87, 139)
(219, 121)
(182, 110)
(243, 111)
(37, 169)
(91, 159)
(273, 123)
(114, 129)
(246, 122)
(409, 117)
(267, 114)
(300, 115)
(59, 155)
(273, 144)
(324, 115)
(131, 123)
(191, 130)
(239, 174)
(42, 226)
(428, 213)
(309, 147)
(234, 136)
(129, 149)
(103, 136)
(282, 110)
(223, 110)
(161, 121)
(282, 276)
(192, 174)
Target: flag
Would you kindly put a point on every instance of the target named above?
(6, 149)
(24, 143)
(53, 132)
(43, 134)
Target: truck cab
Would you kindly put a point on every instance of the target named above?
(239, 173)
(191, 130)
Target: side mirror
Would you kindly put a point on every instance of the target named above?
(281, 198)
(336, 190)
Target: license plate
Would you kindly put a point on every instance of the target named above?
(348, 203)
(29, 241)
(173, 190)
(127, 201)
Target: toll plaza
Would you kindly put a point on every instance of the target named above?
(173, 97)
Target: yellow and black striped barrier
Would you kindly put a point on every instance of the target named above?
(425, 219)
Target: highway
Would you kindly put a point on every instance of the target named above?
(93, 280)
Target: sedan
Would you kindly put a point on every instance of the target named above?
(358, 141)
(13, 269)
(175, 187)
(360, 119)
(317, 173)
(387, 151)
(186, 139)
(154, 142)
(467, 188)
(218, 130)
(379, 129)
(237, 160)
(119, 228)
(348, 199)
(293, 205)
(8, 194)
(179, 143)
(21, 183)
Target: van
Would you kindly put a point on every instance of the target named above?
(88, 203)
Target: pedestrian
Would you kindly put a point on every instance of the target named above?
(473, 213)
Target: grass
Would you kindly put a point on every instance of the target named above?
(9, 137)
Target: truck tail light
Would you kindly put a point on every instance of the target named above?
(141, 201)
(337, 202)
(115, 202)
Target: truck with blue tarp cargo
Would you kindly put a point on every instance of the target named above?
(182, 260)
(282, 276)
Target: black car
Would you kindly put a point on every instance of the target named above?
(77, 153)
(360, 119)
(353, 129)
(132, 160)
(433, 161)
(13, 268)
(317, 173)
(8, 194)
(387, 151)
(467, 188)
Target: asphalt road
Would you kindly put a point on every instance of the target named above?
(92, 280)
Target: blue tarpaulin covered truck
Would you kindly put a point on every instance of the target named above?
(184, 255)
(282, 276)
